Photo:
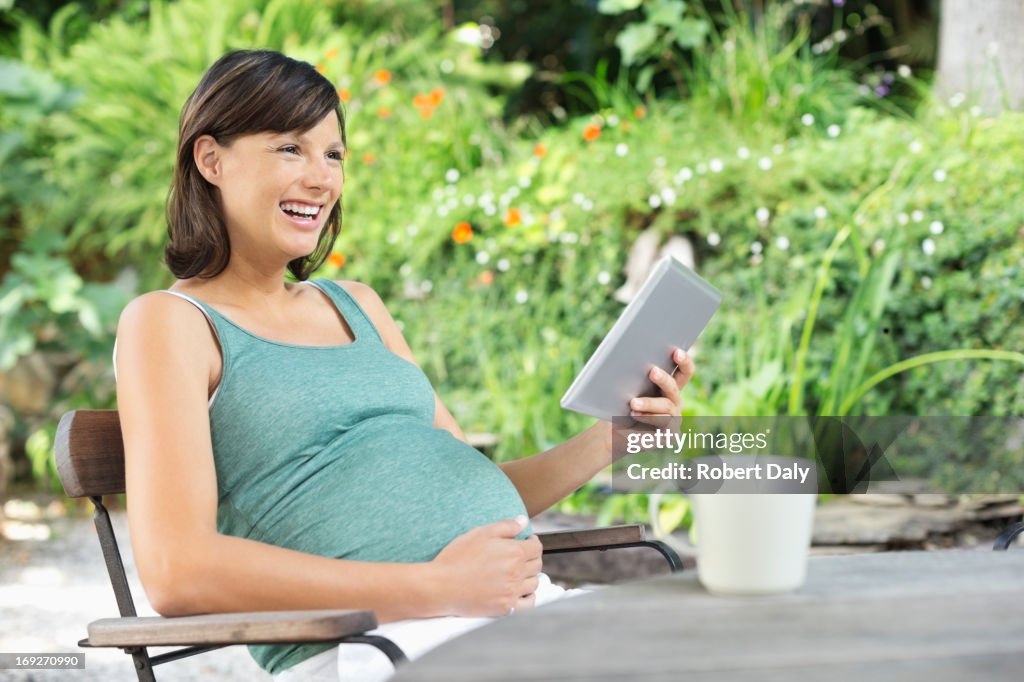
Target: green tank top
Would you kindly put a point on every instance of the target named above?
(331, 450)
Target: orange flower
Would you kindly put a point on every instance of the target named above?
(331, 53)
(382, 77)
(462, 233)
(436, 95)
(539, 150)
(591, 132)
(640, 113)
(320, 68)
(384, 112)
(369, 159)
(421, 101)
(427, 114)
(512, 217)
(487, 278)
(336, 259)
(344, 95)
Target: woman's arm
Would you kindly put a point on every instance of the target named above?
(547, 477)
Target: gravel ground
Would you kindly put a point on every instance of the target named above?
(50, 590)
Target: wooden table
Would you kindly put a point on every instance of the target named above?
(930, 616)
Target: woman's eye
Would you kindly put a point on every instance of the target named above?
(290, 149)
(336, 156)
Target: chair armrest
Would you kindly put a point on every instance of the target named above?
(591, 538)
(258, 627)
(612, 537)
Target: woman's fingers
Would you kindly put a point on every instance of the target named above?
(526, 602)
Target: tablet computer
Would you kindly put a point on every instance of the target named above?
(671, 309)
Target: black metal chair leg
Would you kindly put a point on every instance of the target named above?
(1007, 536)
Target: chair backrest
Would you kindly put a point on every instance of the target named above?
(89, 453)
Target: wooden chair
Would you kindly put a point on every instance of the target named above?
(89, 452)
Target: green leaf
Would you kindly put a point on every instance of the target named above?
(690, 33)
(634, 40)
(665, 12)
(617, 6)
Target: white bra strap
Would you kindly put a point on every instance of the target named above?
(208, 319)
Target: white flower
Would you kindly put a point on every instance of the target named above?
(764, 163)
(939, 175)
(603, 278)
(522, 296)
(524, 181)
(877, 246)
(447, 66)
(928, 246)
(528, 259)
(833, 130)
(756, 248)
(578, 198)
(613, 120)
(450, 190)
(917, 216)
(778, 149)
(936, 227)
(685, 174)
(555, 214)
(926, 282)
(668, 195)
(412, 229)
(442, 211)
(452, 204)
(426, 285)
(489, 209)
(743, 153)
(451, 175)
(763, 214)
(782, 243)
(587, 205)
(654, 200)
(807, 119)
(915, 147)
(622, 149)
(513, 192)
(716, 165)
(503, 264)
(904, 71)
(570, 238)
(957, 99)
(660, 162)
(392, 237)
(975, 111)
(482, 257)
(902, 219)
(820, 212)
(437, 194)
(468, 200)
(405, 270)
(714, 239)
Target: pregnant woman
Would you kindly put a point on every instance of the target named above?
(283, 450)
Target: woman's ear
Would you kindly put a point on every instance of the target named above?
(206, 153)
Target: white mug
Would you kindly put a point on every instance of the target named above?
(752, 542)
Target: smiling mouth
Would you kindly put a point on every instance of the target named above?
(301, 213)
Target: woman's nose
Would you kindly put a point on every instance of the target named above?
(320, 175)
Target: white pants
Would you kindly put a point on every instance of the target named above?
(416, 636)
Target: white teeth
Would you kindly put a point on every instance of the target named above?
(301, 208)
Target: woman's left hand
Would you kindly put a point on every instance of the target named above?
(669, 404)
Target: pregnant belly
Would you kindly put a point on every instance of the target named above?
(390, 492)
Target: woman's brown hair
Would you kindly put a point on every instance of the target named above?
(244, 92)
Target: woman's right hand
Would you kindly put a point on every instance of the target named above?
(487, 572)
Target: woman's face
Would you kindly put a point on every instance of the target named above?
(277, 189)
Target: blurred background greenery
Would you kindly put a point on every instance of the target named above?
(865, 224)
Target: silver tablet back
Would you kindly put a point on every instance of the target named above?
(671, 309)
